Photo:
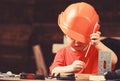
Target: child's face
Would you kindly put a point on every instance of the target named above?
(76, 45)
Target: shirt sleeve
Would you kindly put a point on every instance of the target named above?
(59, 60)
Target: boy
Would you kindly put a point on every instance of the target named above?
(79, 22)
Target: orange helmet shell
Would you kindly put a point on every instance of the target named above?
(78, 21)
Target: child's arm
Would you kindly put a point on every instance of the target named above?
(95, 38)
(74, 67)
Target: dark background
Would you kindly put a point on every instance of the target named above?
(19, 19)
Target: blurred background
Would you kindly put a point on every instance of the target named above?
(23, 23)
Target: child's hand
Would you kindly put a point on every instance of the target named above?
(77, 65)
(95, 38)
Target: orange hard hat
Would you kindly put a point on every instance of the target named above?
(78, 21)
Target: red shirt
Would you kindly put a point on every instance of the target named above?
(66, 56)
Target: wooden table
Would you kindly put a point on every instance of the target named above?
(79, 77)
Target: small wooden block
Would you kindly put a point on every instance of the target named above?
(96, 77)
(89, 77)
(82, 76)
